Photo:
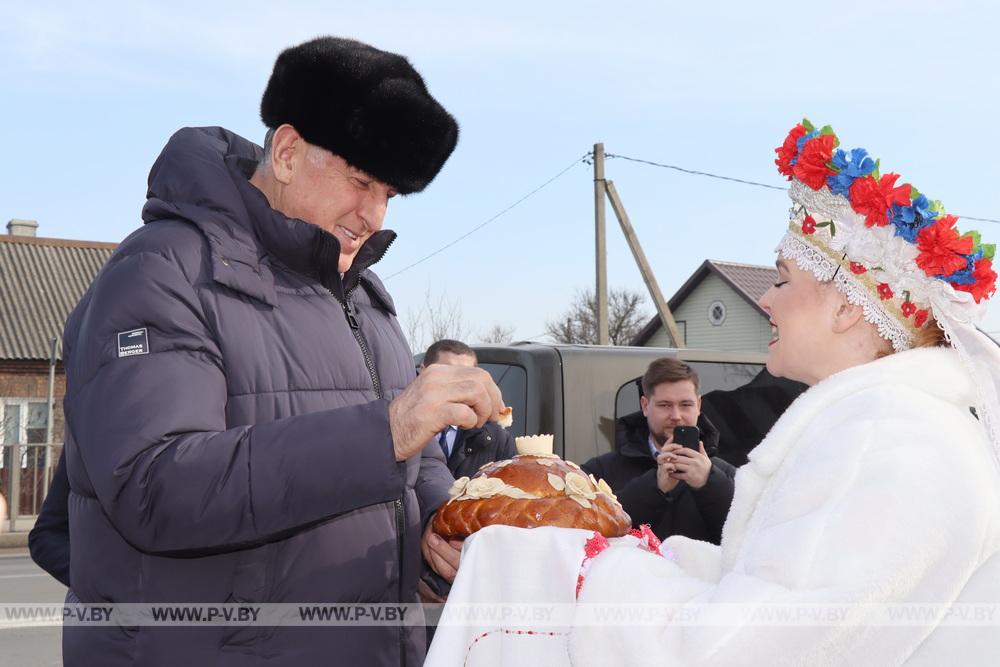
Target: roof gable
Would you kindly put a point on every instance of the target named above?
(749, 281)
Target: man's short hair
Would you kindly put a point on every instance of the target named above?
(436, 349)
(667, 369)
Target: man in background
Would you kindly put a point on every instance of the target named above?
(674, 489)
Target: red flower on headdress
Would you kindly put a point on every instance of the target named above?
(921, 317)
(858, 269)
(908, 309)
(942, 250)
(811, 167)
(808, 225)
(874, 199)
(986, 279)
(884, 291)
(788, 150)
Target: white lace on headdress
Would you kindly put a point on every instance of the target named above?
(810, 259)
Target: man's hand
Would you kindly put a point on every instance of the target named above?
(692, 466)
(441, 396)
(441, 554)
(665, 480)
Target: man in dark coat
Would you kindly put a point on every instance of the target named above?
(467, 449)
(674, 489)
(242, 419)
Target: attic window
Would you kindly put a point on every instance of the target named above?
(717, 313)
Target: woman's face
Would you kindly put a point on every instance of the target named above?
(800, 309)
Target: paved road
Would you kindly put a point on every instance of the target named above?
(22, 582)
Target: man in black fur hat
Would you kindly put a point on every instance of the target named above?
(243, 422)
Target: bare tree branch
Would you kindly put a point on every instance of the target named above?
(433, 321)
(578, 324)
(498, 334)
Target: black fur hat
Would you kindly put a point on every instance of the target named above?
(368, 106)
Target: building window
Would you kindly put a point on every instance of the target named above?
(717, 313)
(22, 422)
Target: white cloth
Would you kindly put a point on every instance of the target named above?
(490, 599)
(876, 487)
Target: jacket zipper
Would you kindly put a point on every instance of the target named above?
(400, 532)
(352, 321)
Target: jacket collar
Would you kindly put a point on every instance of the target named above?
(202, 176)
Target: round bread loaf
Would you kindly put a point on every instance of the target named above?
(529, 491)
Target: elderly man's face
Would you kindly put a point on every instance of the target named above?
(328, 192)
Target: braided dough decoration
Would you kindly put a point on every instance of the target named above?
(530, 491)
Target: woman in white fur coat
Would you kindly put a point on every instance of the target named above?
(865, 528)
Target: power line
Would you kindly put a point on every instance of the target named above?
(693, 172)
(579, 160)
(739, 180)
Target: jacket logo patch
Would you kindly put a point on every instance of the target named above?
(131, 343)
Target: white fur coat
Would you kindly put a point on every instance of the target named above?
(876, 488)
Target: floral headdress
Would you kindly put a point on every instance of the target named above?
(887, 246)
(892, 251)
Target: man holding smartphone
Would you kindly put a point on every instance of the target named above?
(664, 469)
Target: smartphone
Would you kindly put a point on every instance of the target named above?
(687, 436)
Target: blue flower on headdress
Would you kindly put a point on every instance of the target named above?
(850, 166)
(964, 276)
(799, 143)
(909, 220)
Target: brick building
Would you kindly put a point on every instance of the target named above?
(41, 280)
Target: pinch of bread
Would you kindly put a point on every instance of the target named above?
(506, 417)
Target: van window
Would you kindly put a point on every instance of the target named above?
(513, 383)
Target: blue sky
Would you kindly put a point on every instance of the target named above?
(91, 92)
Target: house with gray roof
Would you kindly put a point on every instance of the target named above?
(41, 280)
(716, 309)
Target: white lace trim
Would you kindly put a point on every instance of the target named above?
(811, 259)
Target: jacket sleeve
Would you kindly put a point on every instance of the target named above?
(433, 481)
(505, 445)
(644, 501)
(152, 434)
(715, 497)
(837, 539)
(48, 541)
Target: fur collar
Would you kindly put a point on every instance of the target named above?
(935, 371)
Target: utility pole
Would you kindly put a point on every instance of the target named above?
(602, 188)
(640, 259)
(600, 245)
